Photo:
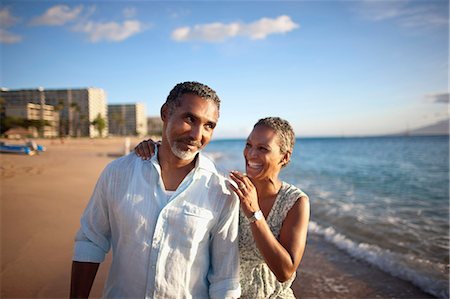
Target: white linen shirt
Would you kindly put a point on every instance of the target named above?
(182, 247)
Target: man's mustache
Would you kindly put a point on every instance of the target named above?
(189, 141)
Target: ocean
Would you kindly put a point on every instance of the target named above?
(384, 200)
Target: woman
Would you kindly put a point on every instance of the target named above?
(274, 215)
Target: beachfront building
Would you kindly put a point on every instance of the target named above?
(36, 112)
(77, 108)
(127, 119)
(154, 125)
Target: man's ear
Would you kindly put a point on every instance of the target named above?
(164, 112)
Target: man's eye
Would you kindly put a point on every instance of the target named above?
(248, 145)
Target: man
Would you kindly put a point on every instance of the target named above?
(171, 222)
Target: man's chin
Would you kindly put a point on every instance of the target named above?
(184, 155)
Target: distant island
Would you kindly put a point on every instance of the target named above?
(438, 128)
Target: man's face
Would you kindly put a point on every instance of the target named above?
(190, 126)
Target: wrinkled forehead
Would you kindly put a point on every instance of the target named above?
(199, 107)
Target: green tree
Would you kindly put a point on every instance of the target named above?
(37, 123)
(2, 115)
(75, 119)
(119, 121)
(9, 122)
(58, 108)
(100, 124)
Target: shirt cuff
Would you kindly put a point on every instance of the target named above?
(86, 251)
(229, 288)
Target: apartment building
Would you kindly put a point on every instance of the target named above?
(127, 119)
(32, 111)
(154, 126)
(77, 108)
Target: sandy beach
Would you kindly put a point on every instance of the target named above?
(43, 196)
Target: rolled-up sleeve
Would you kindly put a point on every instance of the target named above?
(224, 272)
(93, 240)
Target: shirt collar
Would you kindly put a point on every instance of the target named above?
(205, 163)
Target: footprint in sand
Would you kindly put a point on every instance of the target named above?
(7, 170)
(32, 170)
(6, 173)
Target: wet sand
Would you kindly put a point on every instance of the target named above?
(43, 196)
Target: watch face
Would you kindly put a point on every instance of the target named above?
(256, 216)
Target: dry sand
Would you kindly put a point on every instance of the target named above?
(43, 196)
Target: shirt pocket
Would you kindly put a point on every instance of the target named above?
(193, 224)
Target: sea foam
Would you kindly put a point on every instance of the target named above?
(402, 266)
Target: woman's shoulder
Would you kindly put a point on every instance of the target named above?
(287, 197)
(292, 192)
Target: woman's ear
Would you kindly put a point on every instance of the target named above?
(286, 158)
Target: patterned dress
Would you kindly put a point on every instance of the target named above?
(257, 280)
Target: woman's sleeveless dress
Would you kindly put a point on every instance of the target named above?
(257, 280)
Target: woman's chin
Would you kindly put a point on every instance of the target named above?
(251, 173)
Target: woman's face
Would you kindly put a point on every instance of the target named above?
(263, 158)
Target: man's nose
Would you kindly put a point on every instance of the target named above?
(196, 133)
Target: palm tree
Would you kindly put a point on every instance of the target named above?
(118, 122)
(75, 123)
(100, 124)
(58, 108)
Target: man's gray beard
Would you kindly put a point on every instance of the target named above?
(183, 155)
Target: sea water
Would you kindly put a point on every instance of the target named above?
(384, 200)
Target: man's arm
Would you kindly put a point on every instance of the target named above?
(224, 252)
(83, 275)
(92, 241)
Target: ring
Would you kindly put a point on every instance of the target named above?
(242, 186)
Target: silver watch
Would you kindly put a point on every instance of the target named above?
(258, 215)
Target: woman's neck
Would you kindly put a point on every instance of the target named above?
(267, 188)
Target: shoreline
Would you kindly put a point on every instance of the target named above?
(338, 275)
(43, 196)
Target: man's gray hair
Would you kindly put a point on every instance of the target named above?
(284, 131)
(196, 88)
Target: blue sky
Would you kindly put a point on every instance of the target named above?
(332, 68)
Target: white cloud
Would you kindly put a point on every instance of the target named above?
(129, 12)
(424, 19)
(8, 20)
(7, 37)
(214, 32)
(405, 12)
(177, 13)
(260, 29)
(218, 32)
(438, 97)
(375, 10)
(58, 15)
(111, 31)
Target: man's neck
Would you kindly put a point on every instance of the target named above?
(173, 169)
